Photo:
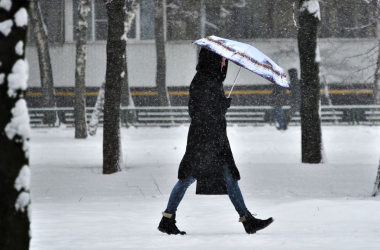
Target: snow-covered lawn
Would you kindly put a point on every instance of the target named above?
(324, 206)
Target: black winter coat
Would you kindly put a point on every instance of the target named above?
(208, 148)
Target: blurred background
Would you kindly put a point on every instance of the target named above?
(347, 42)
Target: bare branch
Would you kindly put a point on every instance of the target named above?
(155, 183)
(360, 27)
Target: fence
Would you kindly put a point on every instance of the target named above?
(241, 116)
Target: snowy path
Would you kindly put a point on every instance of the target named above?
(324, 206)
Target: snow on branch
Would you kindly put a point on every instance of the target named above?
(212, 25)
(23, 179)
(21, 18)
(240, 4)
(131, 15)
(23, 201)
(360, 27)
(19, 125)
(224, 12)
(97, 111)
(19, 49)
(18, 78)
(294, 18)
(313, 7)
(6, 27)
(317, 55)
(6, 4)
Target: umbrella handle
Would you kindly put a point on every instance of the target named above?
(234, 83)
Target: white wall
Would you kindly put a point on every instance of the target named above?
(338, 62)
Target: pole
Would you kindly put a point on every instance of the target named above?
(234, 83)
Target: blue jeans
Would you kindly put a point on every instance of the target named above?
(279, 117)
(233, 190)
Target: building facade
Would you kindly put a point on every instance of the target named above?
(347, 34)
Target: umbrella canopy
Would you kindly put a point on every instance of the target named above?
(246, 56)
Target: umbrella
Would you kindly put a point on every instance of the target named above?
(246, 56)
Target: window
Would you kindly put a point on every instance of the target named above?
(182, 19)
(239, 20)
(100, 20)
(97, 28)
(147, 13)
(53, 13)
(347, 20)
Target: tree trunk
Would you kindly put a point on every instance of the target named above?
(223, 18)
(116, 56)
(202, 19)
(163, 99)
(80, 72)
(14, 127)
(376, 188)
(126, 99)
(46, 72)
(376, 84)
(310, 89)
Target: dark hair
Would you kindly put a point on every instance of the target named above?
(209, 63)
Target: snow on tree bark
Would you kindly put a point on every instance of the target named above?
(97, 112)
(80, 71)
(125, 91)
(14, 127)
(376, 188)
(46, 72)
(131, 17)
(163, 99)
(126, 98)
(309, 17)
(116, 48)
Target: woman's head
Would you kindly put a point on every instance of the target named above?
(213, 64)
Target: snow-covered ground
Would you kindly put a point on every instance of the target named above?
(321, 206)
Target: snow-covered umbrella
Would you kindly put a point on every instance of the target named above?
(246, 56)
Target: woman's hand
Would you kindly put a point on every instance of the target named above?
(226, 104)
(223, 64)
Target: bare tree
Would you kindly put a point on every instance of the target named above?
(46, 72)
(131, 13)
(376, 76)
(309, 17)
(163, 99)
(116, 44)
(14, 127)
(376, 84)
(126, 95)
(80, 71)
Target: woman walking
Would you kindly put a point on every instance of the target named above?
(208, 158)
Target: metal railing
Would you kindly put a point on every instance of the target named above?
(176, 116)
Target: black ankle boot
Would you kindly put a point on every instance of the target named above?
(252, 225)
(167, 224)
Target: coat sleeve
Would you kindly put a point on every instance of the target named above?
(217, 103)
